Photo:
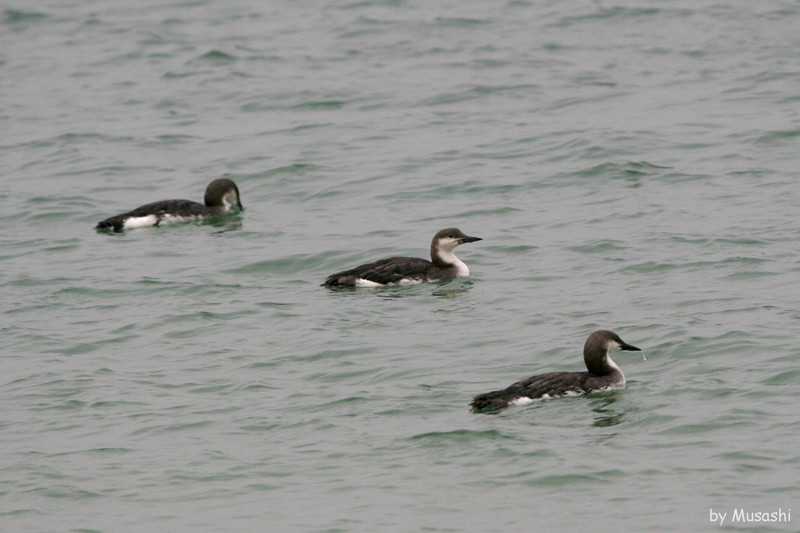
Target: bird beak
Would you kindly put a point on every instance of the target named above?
(239, 205)
(629, 348)
(462, 240)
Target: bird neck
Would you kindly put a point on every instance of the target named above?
(447, 259)
(601, 365)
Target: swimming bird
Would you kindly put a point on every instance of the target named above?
(603, 374)
(409, 270)
(221, 195)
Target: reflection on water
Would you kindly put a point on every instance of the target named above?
(283, 391)
(600, 405)
(606, 417)
(453, 288)
(447, 290)
(225, 223)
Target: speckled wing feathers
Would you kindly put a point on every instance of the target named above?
(385, 271)
(552, 384)
(185, 208)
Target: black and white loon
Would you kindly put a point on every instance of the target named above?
(603, 374)
(409, 270)
(221, 195)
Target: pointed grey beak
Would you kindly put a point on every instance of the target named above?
(462, 240)
(629, 348)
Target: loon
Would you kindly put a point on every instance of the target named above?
(603, 374)
(409, 270)
(221, 195)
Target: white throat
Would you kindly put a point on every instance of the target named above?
(229, 200)
(449, 258)
(614, 366)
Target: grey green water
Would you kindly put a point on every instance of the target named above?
(630, 165)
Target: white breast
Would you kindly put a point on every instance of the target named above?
(462, 268)
(174, 219)
(361, 282)
(140, 222)
(523, 400)
(451, 259)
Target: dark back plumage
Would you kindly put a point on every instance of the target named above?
(602, 373)
(384, 271)
(216, 193)
(394, 270)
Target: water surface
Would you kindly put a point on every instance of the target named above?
(630, 166)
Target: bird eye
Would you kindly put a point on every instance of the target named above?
(451, 236)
